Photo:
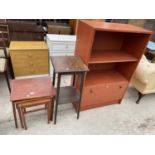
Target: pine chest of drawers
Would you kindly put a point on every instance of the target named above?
(29, 58)
(60, 45)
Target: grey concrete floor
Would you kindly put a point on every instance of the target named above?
(124, 118)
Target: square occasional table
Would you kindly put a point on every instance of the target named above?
(68, 65)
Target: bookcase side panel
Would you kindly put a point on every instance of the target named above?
(85, 35)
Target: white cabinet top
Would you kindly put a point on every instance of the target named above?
(58, 37)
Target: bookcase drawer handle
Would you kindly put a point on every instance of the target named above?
(91, 91)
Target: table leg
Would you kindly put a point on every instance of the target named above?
(23, 118)
(57, 97)
(81, 89)
(52, 107)
(14, 114)
(53, 77)
(20, 117)
(48, 112)
(74, 76)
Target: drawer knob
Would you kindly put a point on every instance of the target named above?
(120, 87)
(91, 91)
(31, 63)
(29, 54)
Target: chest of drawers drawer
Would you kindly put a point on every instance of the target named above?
(30, 62)
(62, 46)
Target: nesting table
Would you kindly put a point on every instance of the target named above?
(30, 90)
(68, 65)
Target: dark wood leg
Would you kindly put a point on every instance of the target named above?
(53, 77)
(7, 80)
(10, 68)
(14, 114)
(20, 117)
(24, 110)
(23, 118)
(140, 95)
(74, 76)
(52, 107)
(48, 112)
(81, 89)
(46, 106)
(57, 98)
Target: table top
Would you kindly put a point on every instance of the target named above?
(26, 45)
(68, 64)
(32, 88)
(151, 45)
(58, 37)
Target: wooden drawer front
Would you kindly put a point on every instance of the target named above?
(31, 69)
(41, 54)
(62, 46)
(104, 93)
(30, 62)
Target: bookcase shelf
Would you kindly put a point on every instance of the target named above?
(110, 56)
(103, 77)
(112, 52)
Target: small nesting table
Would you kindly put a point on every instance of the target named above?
(68, 65)
(31, 92)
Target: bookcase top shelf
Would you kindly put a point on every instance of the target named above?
(110, 56)
(116, 27)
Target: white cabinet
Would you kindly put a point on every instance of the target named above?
(61, 44)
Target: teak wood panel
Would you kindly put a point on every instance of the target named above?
(112, 56)
(101, 67)
(115, 27)
(135, 44)
(85, 35)
(100, 94)
(107, 41)
(106, 76)
(31, 88)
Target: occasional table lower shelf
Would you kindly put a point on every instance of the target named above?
(68, 94)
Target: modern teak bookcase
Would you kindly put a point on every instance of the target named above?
(112, 52)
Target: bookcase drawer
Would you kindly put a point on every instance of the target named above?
(104, 93)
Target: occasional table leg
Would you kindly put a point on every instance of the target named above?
(57, 98)
(81, 89)
(14, 114)
(52, 107)
(74, 76)
(53, 77)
